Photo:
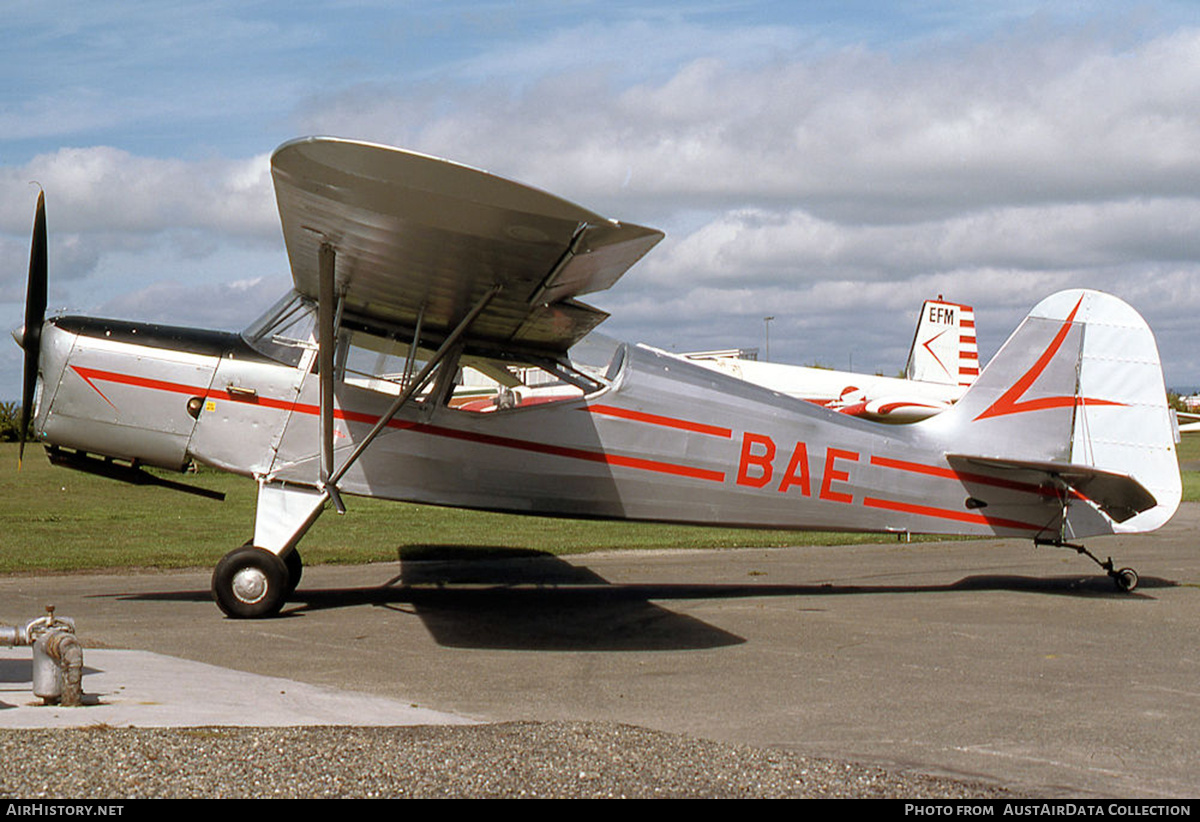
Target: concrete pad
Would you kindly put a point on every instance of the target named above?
(147, 690)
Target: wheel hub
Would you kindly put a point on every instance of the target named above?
(250, 585)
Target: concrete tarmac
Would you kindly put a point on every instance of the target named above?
(987, 660)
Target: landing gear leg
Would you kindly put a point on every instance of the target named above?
(1126, 579)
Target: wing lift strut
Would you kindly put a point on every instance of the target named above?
(256, 579)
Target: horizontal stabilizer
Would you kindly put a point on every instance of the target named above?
(1119, 496)
(1187, 423)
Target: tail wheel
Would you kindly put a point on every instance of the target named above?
(250, 583)
(1126, 579)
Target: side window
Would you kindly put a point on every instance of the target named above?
(374, 363)
(479, 384)
(489, 387)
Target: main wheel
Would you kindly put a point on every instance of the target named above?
(250, 582)
(295, 568)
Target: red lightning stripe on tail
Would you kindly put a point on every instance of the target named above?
(1010, 402)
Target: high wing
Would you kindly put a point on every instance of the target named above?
(420, 241)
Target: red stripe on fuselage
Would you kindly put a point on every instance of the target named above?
(967, 476)
(91, 374)
(567, 451)
(656, 419)
(944, 513)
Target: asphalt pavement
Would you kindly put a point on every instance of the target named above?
(987, 660)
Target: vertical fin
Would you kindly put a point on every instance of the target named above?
(1079, 383)
(944, 348)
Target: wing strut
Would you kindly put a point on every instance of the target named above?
(447, 347)
(567, 256)
(326, 336)
(411, 359)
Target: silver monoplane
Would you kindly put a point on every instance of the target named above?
(410, 270)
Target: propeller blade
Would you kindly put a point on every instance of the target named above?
(35, 315)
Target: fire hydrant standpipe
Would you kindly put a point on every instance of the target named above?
(57, 657)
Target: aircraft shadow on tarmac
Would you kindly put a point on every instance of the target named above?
(504, 598)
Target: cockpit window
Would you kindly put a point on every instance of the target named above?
(479, 383)
(286, 331)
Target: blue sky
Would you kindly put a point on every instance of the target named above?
(831, 164)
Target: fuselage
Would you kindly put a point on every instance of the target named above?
(660, 440)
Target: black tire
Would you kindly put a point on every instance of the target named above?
(1126, 579)
(295, 569)
(250, 583)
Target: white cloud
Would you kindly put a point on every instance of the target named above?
(834, 187)
(230, 305)
(103, 189)
(152, 216)
(854, 132)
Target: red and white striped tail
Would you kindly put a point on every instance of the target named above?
(944, 349)
(968, 348)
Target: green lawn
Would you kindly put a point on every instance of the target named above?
(1189, 452)
(54, 519)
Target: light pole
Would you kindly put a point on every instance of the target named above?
(767, 326)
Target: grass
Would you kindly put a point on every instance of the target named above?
(1189, 454)
(57, 520)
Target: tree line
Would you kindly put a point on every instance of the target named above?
(10, 422)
